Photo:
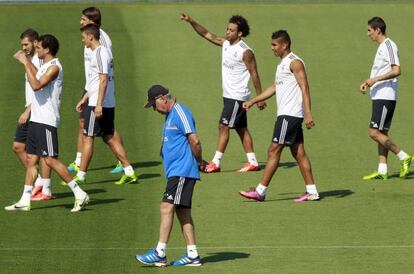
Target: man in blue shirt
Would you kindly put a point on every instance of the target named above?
(181, 153)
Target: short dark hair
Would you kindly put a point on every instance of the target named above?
(31, 34)
(50, 42)
(282, 34)
(377, 23)
(94, 14)
(241, 23)
(91, 29)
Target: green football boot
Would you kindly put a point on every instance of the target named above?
(127, 179)
(375, 176)
(405, 165)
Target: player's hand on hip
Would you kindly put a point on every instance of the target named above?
(98, 112)
(261, 105)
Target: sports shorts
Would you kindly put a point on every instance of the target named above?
(103, 126)
(233, 115)
(382, 113)
(42, 140)
(179, 191)
(288, 130)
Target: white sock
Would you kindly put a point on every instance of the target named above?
(47, 186)
(261, 189)
(77, 191)
(382, 168)
(251, 157)
(311, 189)
(128, 170)
(217, 157)
(81, 174)
(27, 193)
(192, 251)
(161, 249)
(78, 158)
(38, 181)
(402, 155)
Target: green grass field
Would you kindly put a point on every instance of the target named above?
(358, 227)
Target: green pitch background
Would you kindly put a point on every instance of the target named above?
(358, 227)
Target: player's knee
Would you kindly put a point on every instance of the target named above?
(373, 133)
(18, 147)
(166, 208)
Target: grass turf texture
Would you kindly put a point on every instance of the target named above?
(358, 227)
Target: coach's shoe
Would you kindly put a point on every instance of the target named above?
(117, 169)
(405, 165)
(17, 207)
(152, 258)
(307, 197)
(36, 190)
(187, 261)
(80, 204)
(127, 179)
(41, 197)
(73, 167)
(375, 176)
(247, 167)
(253, 195)
(212, 167)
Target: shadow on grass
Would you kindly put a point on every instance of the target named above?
(410, 176)
(92, 203)
(224, 256)
(144, 176)
(134, 165)
(262, 166)
(70, 193)
(340, 193)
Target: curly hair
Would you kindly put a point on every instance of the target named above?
(241, 23)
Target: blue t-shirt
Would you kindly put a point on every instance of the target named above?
(176, 150)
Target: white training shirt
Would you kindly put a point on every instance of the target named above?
(28, 89)
(105, 41)
(46, 102)
(100, 63)
(235, 76)
(288, 93)
(387, 55)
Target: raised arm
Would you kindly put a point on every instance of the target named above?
(202, 31)
(299, 72)
(250, 61)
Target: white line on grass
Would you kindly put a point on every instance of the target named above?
(217, 247)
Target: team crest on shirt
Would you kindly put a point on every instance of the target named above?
(235, 55)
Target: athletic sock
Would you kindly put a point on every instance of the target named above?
(251, 157)
(311, 189)
(382, 168)
(81, 175)
(78, 158)
(128, 170)
(192, 251)
(402, 155)
(77, 191)
(27, 193)
(47, 187)
(261, 189)
(161, 249)
(38, 181)
(217, 157)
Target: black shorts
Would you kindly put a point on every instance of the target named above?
(382, 113)
(99, 127)
(42, 140)
(20, 134)
(179, 191)
(82, 114)
(233, 115)
(288, 130)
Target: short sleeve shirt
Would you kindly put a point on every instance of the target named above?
(176, 150)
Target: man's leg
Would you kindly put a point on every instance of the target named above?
(20, 150)
(87, 152)
(223, 140)
(247, 143)
(273, 157)
(187, 227)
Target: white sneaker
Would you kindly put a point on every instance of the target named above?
(80, 204)
(17, 207)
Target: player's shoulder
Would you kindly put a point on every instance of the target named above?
(182, 110)
(105, 39)
(242, 44)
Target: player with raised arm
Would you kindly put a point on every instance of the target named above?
(42, 137)
(293, 107)
(383, 84)
(238, 65)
